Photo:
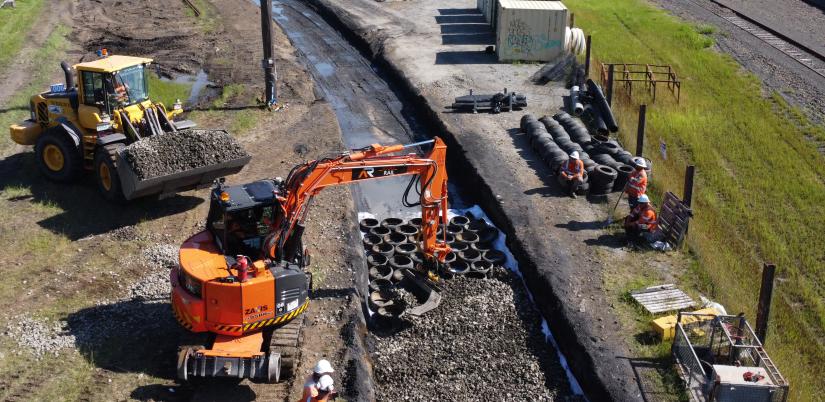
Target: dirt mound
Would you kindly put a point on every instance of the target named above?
(166, 154)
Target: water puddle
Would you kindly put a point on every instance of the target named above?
(198, 82)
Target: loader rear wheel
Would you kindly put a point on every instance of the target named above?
(57, 156)
(108, 181)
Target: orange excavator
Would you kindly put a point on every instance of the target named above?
(242, 280)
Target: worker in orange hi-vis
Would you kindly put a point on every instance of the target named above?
(319, 385)
(571, 174)
(641, 220)
(636, 182)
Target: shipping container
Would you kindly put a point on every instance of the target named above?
(487, 8)
(530, 30)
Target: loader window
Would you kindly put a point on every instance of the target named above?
(130, 84)
(94, 90)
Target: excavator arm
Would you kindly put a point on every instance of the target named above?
(370, 163)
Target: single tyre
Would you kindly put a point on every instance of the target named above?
(397, 275)
(454, 229)
(470, 255)
(374, 259)
(458, 267)
(384, 249)
(468, 237)
(371, 240)
(405, 249)
(496, 257)
(58, 158)
(367, 224)
(476, 225)
(391, 223)
(415, 222)
(481, 247)
(108, 181)
(380, 298)
(380, 272)
(623, 173)
(447, 238)
(380, 231)
(458, 246)
(460, 220)
(406, 230)
(395, 238)
(450, 258)
(401, 262)
(480, 268)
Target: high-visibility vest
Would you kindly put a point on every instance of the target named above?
(647, 219)
(637, 183)
(574, 167)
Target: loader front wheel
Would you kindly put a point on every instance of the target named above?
(57, 156)
(108, 182)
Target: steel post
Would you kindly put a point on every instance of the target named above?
(764, 308)
(610, 85)
(640, 132)
(587, 58)
(268, 61)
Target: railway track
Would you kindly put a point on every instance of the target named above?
(797, 51)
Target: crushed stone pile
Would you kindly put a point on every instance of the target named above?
(484, 342)
(170, 153)
(39, 336)
(144, 308)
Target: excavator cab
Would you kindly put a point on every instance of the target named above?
(240, 217)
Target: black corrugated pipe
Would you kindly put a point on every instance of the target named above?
(601, 102)
(594, 119)
(67, 71)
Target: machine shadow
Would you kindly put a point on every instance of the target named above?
(208, 391)
(84, 211)
(134, 336)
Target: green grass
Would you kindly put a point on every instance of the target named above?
(46, 65)
(242, 119)
(759, 192)
(208, 20)
(15, 24)
(167, 92)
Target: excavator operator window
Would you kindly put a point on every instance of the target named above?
(244, 230)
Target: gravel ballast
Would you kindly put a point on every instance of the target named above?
(484, 342)
(143, 309)
(170, 153)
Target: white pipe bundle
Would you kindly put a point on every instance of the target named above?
(574, 41)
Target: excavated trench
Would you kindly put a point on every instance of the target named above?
(371, 109)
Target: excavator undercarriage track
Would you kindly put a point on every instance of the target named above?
(287, 341)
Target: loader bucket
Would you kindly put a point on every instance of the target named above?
(134, 186)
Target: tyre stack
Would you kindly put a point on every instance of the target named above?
(543, 141)
(393, 245)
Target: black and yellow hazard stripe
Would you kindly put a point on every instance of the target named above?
(278, 320)
(181, 317)
(229, 328)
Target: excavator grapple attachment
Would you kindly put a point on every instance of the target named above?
(423, 289)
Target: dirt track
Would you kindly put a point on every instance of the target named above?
(94, 258)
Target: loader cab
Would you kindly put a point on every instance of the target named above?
(240, 217)
(113, 82)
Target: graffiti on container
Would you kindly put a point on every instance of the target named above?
(520, 40)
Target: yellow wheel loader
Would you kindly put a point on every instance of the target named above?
(85, 128)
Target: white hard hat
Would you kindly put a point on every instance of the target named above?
(323, 366)
(644, 199)
(325, 383)
(574, 154)
(640, 162)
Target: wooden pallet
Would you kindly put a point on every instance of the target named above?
(673, 219)
(662, 298)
